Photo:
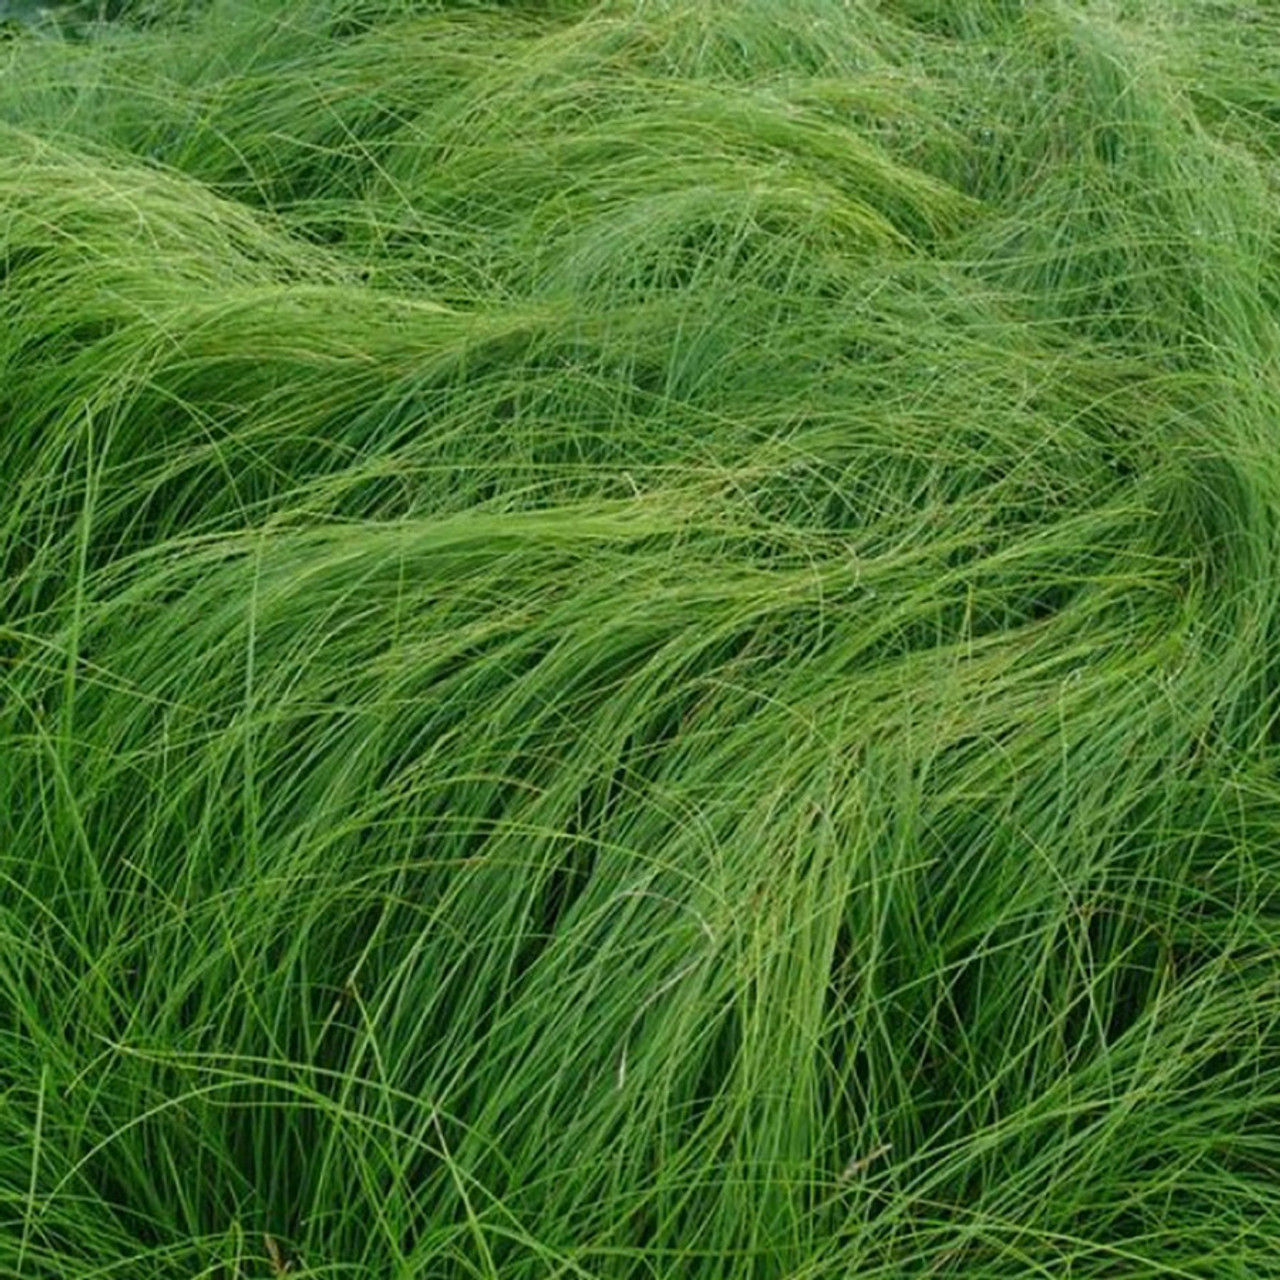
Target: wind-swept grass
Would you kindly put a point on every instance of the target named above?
(640, 639)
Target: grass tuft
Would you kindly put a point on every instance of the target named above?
(640, 639)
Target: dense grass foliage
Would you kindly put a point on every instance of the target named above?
(640, 640)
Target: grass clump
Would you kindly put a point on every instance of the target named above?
(640, 639)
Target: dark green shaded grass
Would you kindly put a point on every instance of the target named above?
(639, 640)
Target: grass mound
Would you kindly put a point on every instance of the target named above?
(640, 639)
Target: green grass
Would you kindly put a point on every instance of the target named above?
(641, 640)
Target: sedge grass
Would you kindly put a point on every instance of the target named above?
(640, 639)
